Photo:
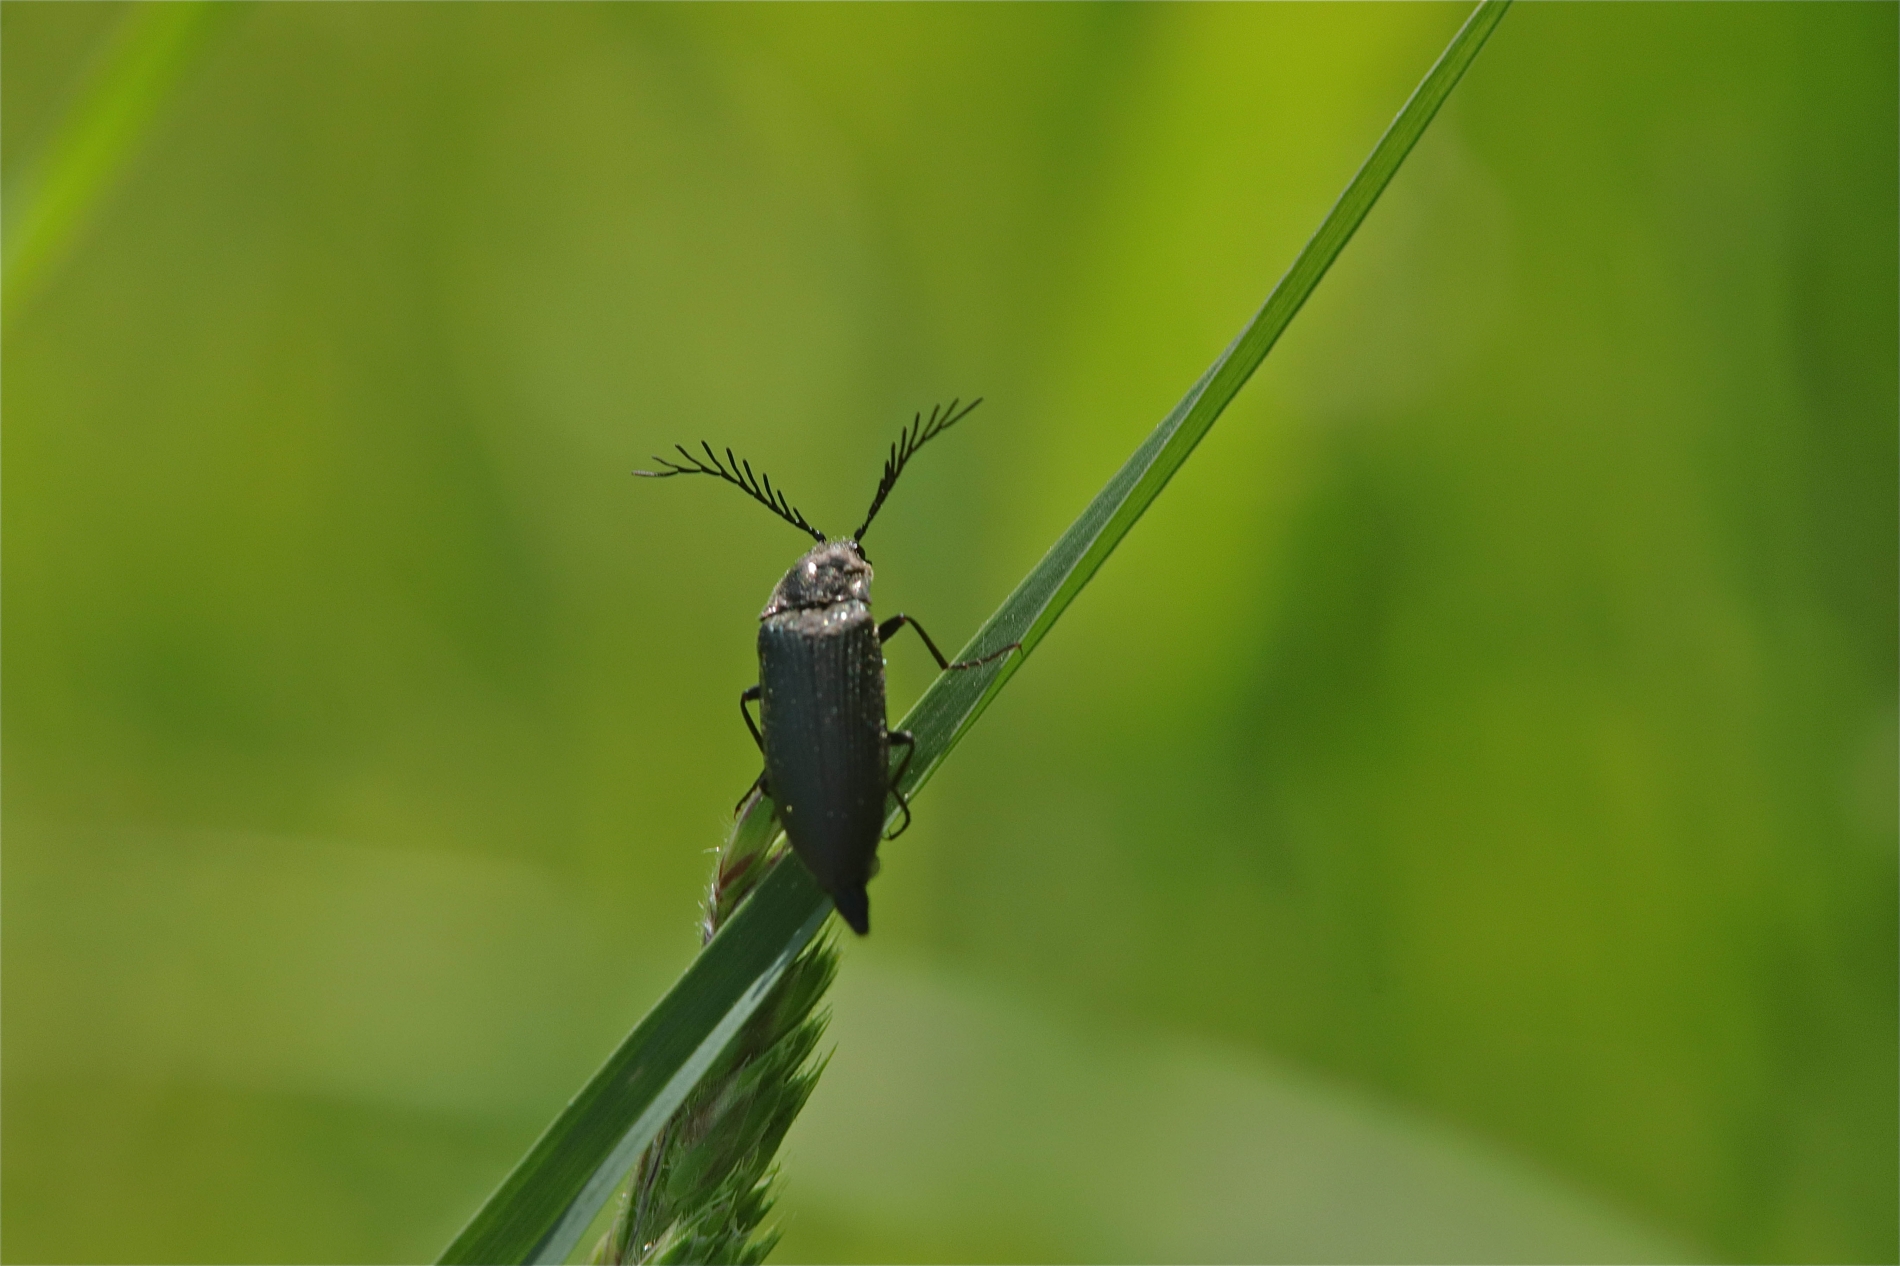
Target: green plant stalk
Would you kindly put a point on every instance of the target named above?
(144, 62)
(545, 1204)
(701, 1190)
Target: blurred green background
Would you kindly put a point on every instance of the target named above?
(1458, 824)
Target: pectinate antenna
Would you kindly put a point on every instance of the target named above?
(758, 487)
(913, 437)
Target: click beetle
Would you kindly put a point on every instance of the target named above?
(820, 692)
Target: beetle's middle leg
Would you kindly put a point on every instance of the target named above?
(909, 741)
(748, 695)
(889, 628)
(751, 694)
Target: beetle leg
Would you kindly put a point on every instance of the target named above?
(909, 741)
(889, 628)
(746, 696)
(993, 655)
(886, 630)
(759, 785)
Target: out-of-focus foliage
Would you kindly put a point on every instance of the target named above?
(1464, 808)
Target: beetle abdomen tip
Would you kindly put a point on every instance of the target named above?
(855, 908)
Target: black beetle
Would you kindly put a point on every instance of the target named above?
(821, 681)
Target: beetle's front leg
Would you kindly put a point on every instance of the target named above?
(889, 628)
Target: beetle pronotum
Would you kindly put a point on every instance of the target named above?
(821, 722)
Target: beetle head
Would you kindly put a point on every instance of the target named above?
(835, 571)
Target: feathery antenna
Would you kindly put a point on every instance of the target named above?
(758, 487)
(913, 437)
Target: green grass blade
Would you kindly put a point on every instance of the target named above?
(541, 1209)
(145, 61)
(955, 700)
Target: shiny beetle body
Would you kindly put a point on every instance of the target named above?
(822, 726)
(821, 711)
